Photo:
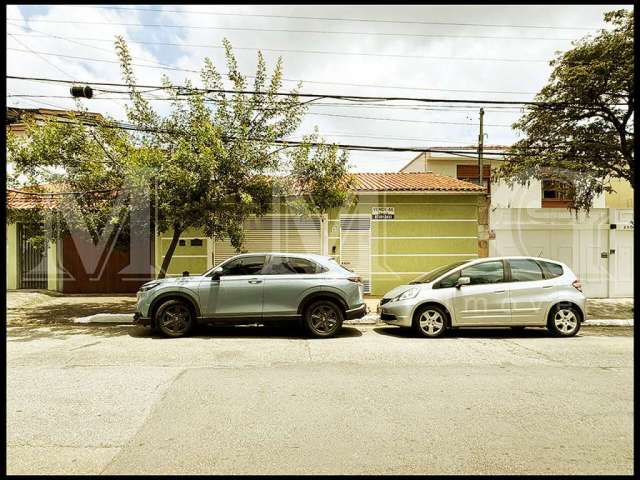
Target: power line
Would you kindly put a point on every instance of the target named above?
(353, 98)
(367, 20)
(286, 142)
(320, 114)
(325, 32)
(293, 80)
(357, 54)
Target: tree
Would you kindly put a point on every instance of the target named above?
(583, 134)
(210, 166)
(82, 156)
(319, 178)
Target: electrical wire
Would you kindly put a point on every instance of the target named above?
(365, 20)
(353, 98)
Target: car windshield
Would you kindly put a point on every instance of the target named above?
(433, 274)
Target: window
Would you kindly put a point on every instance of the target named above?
(552, 270)
(196, 242)
(469, 173)
(524, 270)
(449, 281)
(486, 272)
(244, 266)
(433, 274)
(291, 265)
(556, 194)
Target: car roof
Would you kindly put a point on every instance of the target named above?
(310, 256)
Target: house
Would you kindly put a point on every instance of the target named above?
(535, 220)
(402, 225)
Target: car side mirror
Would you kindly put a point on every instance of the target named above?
(185, 273)
(215, 275)
(463, 281)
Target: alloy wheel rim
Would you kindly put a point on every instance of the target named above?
(324, 318)
(565, 320)
(431, 322)
(176, 318)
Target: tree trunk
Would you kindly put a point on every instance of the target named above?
(172, 248)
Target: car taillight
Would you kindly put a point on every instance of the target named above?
(355, 279)
(577, 285)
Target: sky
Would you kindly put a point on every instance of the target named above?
(482, 52)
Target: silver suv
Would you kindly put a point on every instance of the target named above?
(253, 288)
(507, 292)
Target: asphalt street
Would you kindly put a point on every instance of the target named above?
(375, 400)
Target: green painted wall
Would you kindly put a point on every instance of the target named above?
(53, 273)
(428, 231)
(12, 256)
(186, 257)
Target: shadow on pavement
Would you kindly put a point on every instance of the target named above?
(469, 332)
(37, 332)
(63, 311)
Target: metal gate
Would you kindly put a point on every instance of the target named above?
(355, 246)
(275, 233)
(32, 260)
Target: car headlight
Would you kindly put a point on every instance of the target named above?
(148, 286)
(411, 293)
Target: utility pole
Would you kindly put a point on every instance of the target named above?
(480, 146)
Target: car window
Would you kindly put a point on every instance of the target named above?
(291, 265)
(435, 273)
(449, 281)
(244, 266)
(486, 272)
(524, 270)
(553, 269)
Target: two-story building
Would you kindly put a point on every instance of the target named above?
(535, 220)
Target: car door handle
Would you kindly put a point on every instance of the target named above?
(255, 280)
(499, 291)
(548, 286)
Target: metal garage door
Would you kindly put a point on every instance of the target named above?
(355, 246)
(275, 233)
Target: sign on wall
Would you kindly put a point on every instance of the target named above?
(383, 213)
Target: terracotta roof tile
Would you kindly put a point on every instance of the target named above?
(32, 197)
(412, 181)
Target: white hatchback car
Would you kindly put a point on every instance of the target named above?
(489, 292)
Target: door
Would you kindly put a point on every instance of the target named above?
(285, 281)
(529, 292)
(240, 288)
(355, 246)
(33, 257)
(485, 301)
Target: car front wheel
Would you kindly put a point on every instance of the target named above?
(174, 318)
(430, 321)
(323, 318)
(564, 321)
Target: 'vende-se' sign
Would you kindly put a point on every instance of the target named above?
(383, 213)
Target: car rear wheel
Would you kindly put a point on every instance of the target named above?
(564, 321)
(174, 318)
(430, 321)
(323, 318)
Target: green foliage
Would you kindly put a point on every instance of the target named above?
(210, 163)
(319, 179)
(588, 138)
(78, 154)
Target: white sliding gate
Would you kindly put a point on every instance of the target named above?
(598, 247)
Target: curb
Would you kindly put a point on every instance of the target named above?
(370, 319)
